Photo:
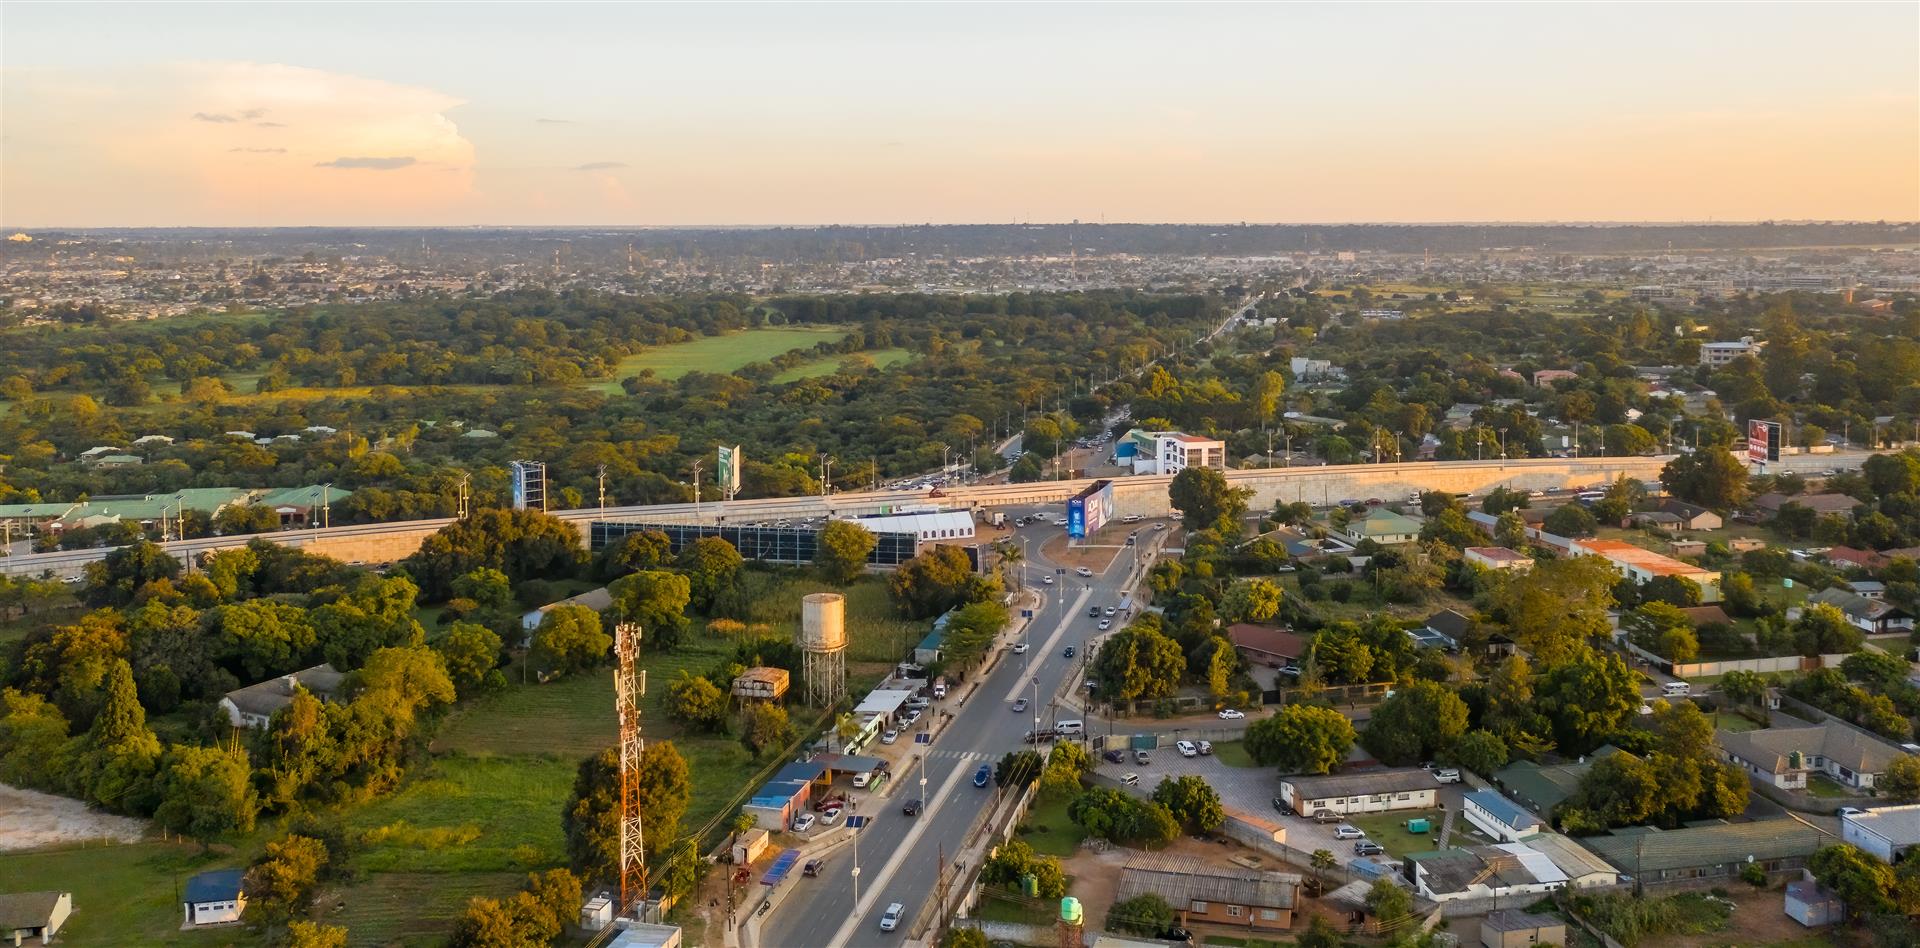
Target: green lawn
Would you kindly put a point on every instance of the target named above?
(1389, 830)
(1821, 785)
(1233, 754)
(1733, 723)
(1049, 830)
(122, 894)
(716, 353)
(468, 814)
(882, 358)
(408, 908)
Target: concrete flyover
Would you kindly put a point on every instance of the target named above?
(1145, 495)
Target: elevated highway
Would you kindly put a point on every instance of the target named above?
(1146, 496)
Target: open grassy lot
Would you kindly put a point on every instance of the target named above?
(1390, 831)
(717, 353)
(1049, 831)
(467, 814)
(882, 358)
(122, 894)
(408, 908)
(1233, 754)
(1733, 723)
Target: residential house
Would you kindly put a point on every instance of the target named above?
(33, 516)
(1656, 520)
(1820, 504)
(1870, 588)
(1699, 616)
(254, 705)
(214, 898)
(25, 916)
(1384, 527)
(1203, 892)
(1786, 757)
(1499, 817)
(599, 600)
(1512, 928)
(1643, 566)
(1712, 851)
(1885, 831)
(300, 506)
(1688, 547)
(1692, 516)
(1717, 354)
(1377, 791)
(1498, 871)
(1444, 630)
(110, 461)
(1872, 616)
(1546, 377)
(1813, 905)
(1498, 558)
(1266, 645)
(1541, 787)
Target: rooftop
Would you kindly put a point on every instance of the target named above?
(218, 885)
(1543, 787)
(1354, 784)
(1900, 824)
(266, 697)
(1620, 551)
(1266, 638)
(26, 909)
(1499, 554)
(1645, 850)
(1183, 879)
(1771, 748)
(1502, 809)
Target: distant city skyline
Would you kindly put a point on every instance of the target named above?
(174, 114)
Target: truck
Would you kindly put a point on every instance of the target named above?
(940, 687)
(996, 519)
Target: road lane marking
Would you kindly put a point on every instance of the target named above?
(885, 875)
(1025, 681)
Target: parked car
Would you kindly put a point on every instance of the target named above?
(1187, 749)
(863, 778)
(830, 816)
(911, 807)
(1019, 705)
(982, 775)
(1325, 816)
(1229, 714)
(1115, 757)
(802, 823)
(1282, 806)
(1348, 831)
(889, 736)
(1447, 776)
(1130, 780)
(891, 920)
(1206, 748)
(1142, 758)
(913, 714)
(1368, 848)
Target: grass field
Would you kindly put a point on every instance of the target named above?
(1733, 723)
(408, 908)
(1233, 754)
(469, 814)
(716, 353)
(1389, 830)
(882, 358)
(122, 894)
(1059, 837)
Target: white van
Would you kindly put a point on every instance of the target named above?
(1071, 728)
(1676, 689)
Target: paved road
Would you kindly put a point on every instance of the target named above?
(899, 855)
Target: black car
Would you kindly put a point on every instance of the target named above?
(1178, 936)
(1365, 848)
(1115, 757)
(1093, 612)
(1282, 806)
(911, 808)
(1069, 652)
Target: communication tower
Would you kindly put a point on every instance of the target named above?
(823, 647)
(628, 686)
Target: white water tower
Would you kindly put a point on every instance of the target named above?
(823, 647)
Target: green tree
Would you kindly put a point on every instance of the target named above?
(1205, 499)
(569, 639)
(935, 581)
(206, 793)
(1480, 751)
(764, 727)
(1743, 687)
(971, 630)
(114, 580)
(1571, 520)
(696, 702)
(304, 934)
(489, 588)
(1144, 914)
(1556, 609)
(1192, 801)
(960, 936)
(843, 551)
(713, 567)
(1389, 903)
(1251, 600)
(1014, 860)
(591, 816)
(1867, 885)
(1662, 629)
(1709, 476)
(116, 768)
(1018, 769)
(1301, 738)
(657, 601)
(35, 751)
(1587, 700)
(268, 637)
(1419, 721)
(1510, 531)
(1824, 630)
(1901, 782)
(280, 881)
(471, 653)
(1451, 526)
(1139, 662)
(641, 549)
(1320, 933)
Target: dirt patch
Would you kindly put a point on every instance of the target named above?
(1096, 555)
(33, 820)
(1759, 918)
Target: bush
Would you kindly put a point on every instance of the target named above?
(1145, 914)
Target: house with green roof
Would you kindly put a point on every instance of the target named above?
(298, 506)
(1384, 527)
(1710, 850)
(1540, 787)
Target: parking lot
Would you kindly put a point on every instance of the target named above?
(1252, 790)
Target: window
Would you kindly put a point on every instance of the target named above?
(1233, 911)
(1404, 796)
(1269, 915)
(1197, 907)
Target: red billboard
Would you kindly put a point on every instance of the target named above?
(1763, 441)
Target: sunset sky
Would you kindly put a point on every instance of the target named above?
(389, 114)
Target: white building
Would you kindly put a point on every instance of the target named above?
(1169, 452)
(1377, 792)
(934, 527)
(1717, 354)
(1885, 831)
(214, 898)
(1500, 817)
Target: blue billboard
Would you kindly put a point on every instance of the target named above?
(1089, 510)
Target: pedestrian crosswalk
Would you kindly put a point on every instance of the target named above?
(971, 756)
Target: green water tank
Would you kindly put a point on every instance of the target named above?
(1070, 910)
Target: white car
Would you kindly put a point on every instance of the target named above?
(1206, 747)
(1447, 776)
(1020, 649)
(803, 822)
(1106, 624)
(830, 816)
(891, 920)
(1231, 715)
(889, 737)
(1083, 571)
(1048, 580)
(1348, 831)
(1187, 749)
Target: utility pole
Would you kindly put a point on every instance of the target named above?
(696, 490)
(326, 505)
(940, 907)
(600, 476)
(461, 505)
(826, 466)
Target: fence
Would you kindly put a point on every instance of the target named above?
(1781, 663)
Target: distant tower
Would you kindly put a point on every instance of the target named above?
(628, 687)
(529, 485)
(823, 646)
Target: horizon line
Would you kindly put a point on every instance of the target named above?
(1680, 222)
